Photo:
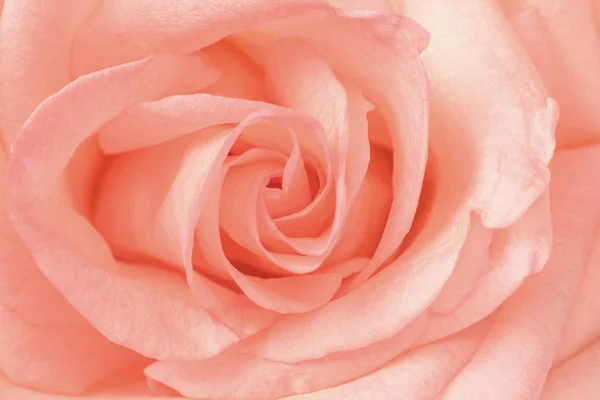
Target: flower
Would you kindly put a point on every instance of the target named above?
(273, 199)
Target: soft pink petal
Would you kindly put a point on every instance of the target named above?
(573, 42)
(471, 264)
(69, 251)
(239, 76)
(233, 375)
(120, 31)
(489, 107)
(10, 391)
(577, 378)
(368, 215)
(362, 5)
(35, 43)
(44, 342)
(416, 375)
(514, 359)
(529, 26)
(513, 254)
(583, 324)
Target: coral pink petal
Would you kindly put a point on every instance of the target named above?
(492, 100)
(514, 359)
(530, 28)
(35, 43)
(239, 77)
(471, 264)
(417, 375)
(514, 253)
(583, 324)
(233, 375)
(577, 378)
(571, 35)
(69, 251)
(44, 342)
(369, 210)
(120, 31)
(9, 390)
(362, 5)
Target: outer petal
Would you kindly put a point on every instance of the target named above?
(513, 361)
(570, 32)
(362, 5)
(35, 43)
(10, 391)
(490, 105)
(578, 378)
(44, 342)
(583, 324)
(417, 375)
(120, 31)
(69, 251)
(232, 375)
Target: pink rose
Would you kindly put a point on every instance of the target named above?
(265, 199)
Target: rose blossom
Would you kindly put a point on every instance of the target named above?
(282, 199)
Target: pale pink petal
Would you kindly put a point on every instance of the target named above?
(513, 254)
(369, 212)
(514, 359)
(239, 76)
(10, 391)
(362, 5)
(69, 251)
(233, 375)
(120, 31)
(491, 106)
(44, 342)
(472, 263)
(573, 42)
(529, 26)
(416, 375)
(583, 324)
(577, 378)
(35, 43)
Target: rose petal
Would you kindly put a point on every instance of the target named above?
(583, 325)
(492, 101)
(232, 375)
(417, 375)
(514, 359)
(35, 43)
(44, 342)
(239, 77)
(363, 5)
(69, 251)
(471, 264)
(573, 43)
(10, 391)
(120, 31)
(514, 253)
(578, 378)
(529, 25)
